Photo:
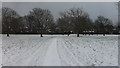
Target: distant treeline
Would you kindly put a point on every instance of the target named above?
(40, 21)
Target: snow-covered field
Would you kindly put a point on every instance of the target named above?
(60, 50)
(0, 50)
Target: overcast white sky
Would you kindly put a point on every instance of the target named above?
(107, 9)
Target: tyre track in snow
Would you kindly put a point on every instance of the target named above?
(86, 55)
(37, 56)
(70, 48)
(32, 57)
(22, 56)
(66, 56)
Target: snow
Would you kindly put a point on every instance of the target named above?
(0, 50)
(60, 50)
(52, 55)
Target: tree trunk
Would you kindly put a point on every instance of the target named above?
(68, 33)
(77, 34)
(41, 35)
(7, 34)
(104, 31)
(63, 33)
(8, 30)
(89, 34)
(103, 34)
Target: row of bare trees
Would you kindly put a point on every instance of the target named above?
(36, 21)
(41, 21)
(79, 21)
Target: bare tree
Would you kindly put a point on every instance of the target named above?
(78, 19)
(29, 22)
(103, 24)
(42, 19)
(64, 25)
(9, 20)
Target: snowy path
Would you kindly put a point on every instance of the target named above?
(52, 57)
